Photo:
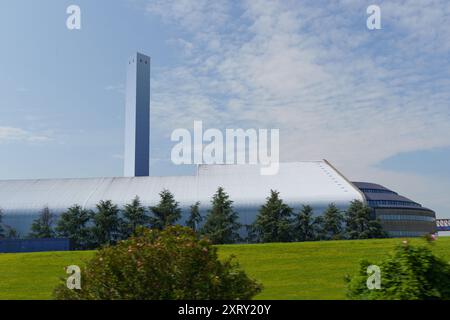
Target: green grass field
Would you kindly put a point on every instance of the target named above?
(313, 270)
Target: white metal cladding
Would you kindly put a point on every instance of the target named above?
(313, 182)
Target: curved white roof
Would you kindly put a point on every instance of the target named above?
(311, 182)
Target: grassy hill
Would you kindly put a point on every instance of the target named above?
(312, 270)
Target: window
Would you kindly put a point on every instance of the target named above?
(397, 203)
(406, 233)
(405, 217)
(377, 191)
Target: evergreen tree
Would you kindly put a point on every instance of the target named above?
(376, 230)
(42, 227)
(2, 230)
(359, 224)
(272, 223)
(11, 233)
(319, 228)
(6, 232)
(221, 225)
(304, 228)
(166, 213)
(134, 216)
(73, 225)
(251, 235)
(333, 223)
(194, 217)
(106, 220)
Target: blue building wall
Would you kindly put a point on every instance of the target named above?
(34, 245)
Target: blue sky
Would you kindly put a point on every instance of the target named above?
(374, 103)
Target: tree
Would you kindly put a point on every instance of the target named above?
(333, 223)
(2, 230)
(166, 213)
(173, 264)
(318, 227)
(6, 232)
(11, 233)
(73, 225)
(221, 225)
(251, 235)
(304, 227)
(194, 217)
(409, 273)
(105, 230)
(272, 223)
(359, 224)
(42, 227)
(134, 216)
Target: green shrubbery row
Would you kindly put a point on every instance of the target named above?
(277, 222)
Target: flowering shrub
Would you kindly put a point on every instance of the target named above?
(409, 273)
(161, 265)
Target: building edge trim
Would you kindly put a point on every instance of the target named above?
(348, 181)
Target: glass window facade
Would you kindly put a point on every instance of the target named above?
(396, 203)
(404, 217)
(406, 233)
(399, 216)
(377, 191)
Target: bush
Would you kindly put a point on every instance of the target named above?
(409, 273)
(161, 265)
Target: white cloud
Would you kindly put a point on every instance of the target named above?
(11, 134)
(119, 88)
(335, 89)
(193, 15)
(186, 46)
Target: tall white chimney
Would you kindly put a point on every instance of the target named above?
(137, 118)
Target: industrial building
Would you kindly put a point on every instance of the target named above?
(399, 216)
(316, 183)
